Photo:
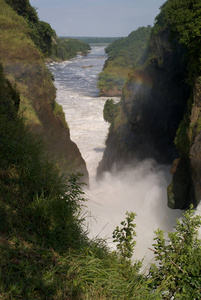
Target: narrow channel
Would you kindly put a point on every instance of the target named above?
(141, 190)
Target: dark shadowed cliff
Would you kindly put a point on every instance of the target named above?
(159, 113)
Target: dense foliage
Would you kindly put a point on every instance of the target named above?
(178, 273)
(40, 32)
(184, 20)
(109, 110)
(129, 50)
(123, 55)
(97, 40)
(44, 36)
(66, 48)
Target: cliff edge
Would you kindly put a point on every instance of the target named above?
(24, 66)
(159, 113)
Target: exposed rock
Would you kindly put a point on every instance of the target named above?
(186, 184)
(25, 68)
(85, 67)
(154, 100)
(158, 110)
(114, 92)
(180, 190)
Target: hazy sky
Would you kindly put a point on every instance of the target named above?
(97, 17)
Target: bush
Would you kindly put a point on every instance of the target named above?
(178, 274)
(109, 110)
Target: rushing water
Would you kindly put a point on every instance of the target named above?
(76, 82)
(141, 190)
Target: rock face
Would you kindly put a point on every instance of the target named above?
(25, 68)
(195, 150)
(158, 110)
(186, 184)
(154, 100)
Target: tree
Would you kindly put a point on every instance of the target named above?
(124, 237)
(109, 110)
(183, 17)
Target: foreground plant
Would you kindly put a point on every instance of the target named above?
(178, 274)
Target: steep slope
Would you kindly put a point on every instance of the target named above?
(123, 55)
(152, 96)
(25, 68)
(45, 37)
(159, 113)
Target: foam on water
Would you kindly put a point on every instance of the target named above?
(141, 189)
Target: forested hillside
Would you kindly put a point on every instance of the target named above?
(124, 55)
(45, 37)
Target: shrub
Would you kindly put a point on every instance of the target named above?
(109, 110)
(178, 274)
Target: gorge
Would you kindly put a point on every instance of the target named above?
(140, 188)
(56, 232)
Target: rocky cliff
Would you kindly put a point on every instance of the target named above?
(24, 66)
(154, 100)
(159, 117)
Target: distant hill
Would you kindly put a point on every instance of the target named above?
(95, 40)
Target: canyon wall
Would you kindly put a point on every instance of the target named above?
(158, 117)
(24, 66)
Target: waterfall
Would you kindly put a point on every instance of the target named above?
(141, 190)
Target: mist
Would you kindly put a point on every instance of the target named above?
(143, 190)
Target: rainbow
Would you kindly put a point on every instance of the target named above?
(142, 79)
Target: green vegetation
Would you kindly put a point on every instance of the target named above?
(96, 40)
(109, 111)
(123, 55)
(46, 254)
(40, 32)
(125, 237)
(66, 48)
(24, 66)
(183, 19)
(44, 36)
(179, 260)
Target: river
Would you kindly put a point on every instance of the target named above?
(141, 190)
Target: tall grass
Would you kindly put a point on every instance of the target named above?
(44, 251)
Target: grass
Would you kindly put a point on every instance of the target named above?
(58, 112)
(15, 36)
(24, 66)
(44, 250)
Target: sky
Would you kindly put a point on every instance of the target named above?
(97, 18)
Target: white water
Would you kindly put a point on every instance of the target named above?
(141, 190)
